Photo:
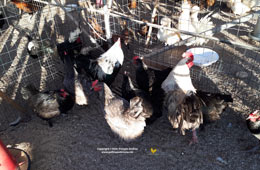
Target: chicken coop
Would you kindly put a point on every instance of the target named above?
(233, 38)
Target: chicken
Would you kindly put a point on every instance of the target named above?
(129, 92)
(72, 46)
(98, 29)
(144, 28)
(36, 49)
(126, 119)
(191, 110)
(132, 4)
(184, 104)
(184, 111)
(238, 7)
(105, 67)
(80, 86)
(28, 6)
(2, 20)
(210, 2)
(150, 81)
(251, 3)
(167, 36)
(201, 25)
(253, 124)
(144, 76)
(184, 21)
(49, 104)
(213, 105)
(179, 77)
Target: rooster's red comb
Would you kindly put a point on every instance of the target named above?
(188, 55)
(136, 57)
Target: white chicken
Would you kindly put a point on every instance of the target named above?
(238, 7)
(106, 66)
(251, 3)
(179, 77)
(201, 25)
(167, 36)
(184, 21)
(186, 106)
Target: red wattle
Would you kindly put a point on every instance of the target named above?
(190, 64)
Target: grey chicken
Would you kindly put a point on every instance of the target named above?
(126, 119)
(49, 104)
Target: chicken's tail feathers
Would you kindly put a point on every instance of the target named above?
(28, 91)
(224, 97)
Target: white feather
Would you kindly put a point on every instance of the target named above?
(240, 8)
(108, 59)
(74, 35)
(184, 21)
(179, 77)
(201, 25)
(167, 36)
(30, 45)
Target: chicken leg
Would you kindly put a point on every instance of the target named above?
(194, 137)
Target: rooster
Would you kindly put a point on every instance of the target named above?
(48, 104)
(72, 46)
(28, 6)
(78, 85)
(179, 77)
(187, 107)
(253, 124)
(105, 67)
(126, 119)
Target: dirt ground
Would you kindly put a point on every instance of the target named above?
(82, 140)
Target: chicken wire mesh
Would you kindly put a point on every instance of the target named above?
(236, 71)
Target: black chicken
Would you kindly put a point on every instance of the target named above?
(253, 124)
(72, 46)
(129, 92)
(48, 104)
(214, 105)
(144, 76)
(78, 85)
(104, 68)
(150, 80)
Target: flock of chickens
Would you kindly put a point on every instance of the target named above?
(90, 73)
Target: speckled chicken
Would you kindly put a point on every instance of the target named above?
(126, 119)
(49, 104)
(187, 106)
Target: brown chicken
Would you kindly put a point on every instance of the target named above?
(28, 6)
(132, 4)
(202, 3)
